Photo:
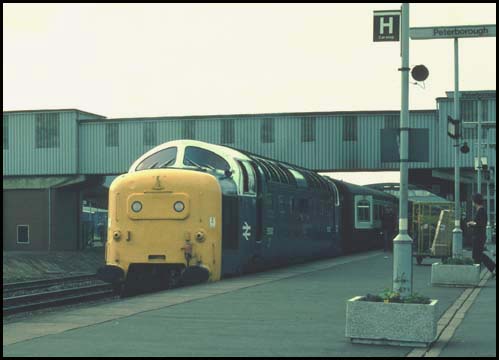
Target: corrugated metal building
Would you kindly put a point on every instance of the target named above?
(56, 152)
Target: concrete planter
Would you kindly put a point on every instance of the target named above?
(455, 275)
(391, 323)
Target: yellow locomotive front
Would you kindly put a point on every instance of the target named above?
(164, 225)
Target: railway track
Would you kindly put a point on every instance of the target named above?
(33, 295)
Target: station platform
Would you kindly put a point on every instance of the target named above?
(37, 265)
(295, 311)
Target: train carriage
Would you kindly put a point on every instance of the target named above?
(361, 214)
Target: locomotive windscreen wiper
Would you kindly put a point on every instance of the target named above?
(169, 162)
(195, 164)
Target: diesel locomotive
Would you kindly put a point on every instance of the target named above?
(189, 211)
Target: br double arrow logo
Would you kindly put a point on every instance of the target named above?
(246, 230)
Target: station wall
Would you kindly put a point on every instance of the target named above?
(40, 220)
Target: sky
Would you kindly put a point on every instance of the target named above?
(140, 60)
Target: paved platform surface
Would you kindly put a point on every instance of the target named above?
(476, 335)
(35, 265)
(295, 311)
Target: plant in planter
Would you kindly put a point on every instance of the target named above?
(388, 319)
(389, 296)
(455, 272)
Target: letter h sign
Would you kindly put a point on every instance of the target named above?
(386, 25)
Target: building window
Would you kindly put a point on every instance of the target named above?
(47, 130)
(150, 131)
(189, 129)
(392, 121)
(267, 130)
(112, 135)
(227, 131)
(5, 132)
(469, 112)
(23, 234)
(307, 129)
(350, 128)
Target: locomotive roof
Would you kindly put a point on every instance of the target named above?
(311, 179)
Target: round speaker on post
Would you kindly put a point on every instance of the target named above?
(420, 73)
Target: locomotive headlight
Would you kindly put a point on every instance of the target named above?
(179, 206)
(136, 206)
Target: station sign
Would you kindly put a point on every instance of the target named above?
(452, 32)
(419, 145)
(386, 25)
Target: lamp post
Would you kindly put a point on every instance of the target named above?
(479, 141)
(402, 244)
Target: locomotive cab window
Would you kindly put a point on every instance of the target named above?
(161, 159)
(195, 156)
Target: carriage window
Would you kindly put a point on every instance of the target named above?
(363, 211)
(197, 156)
(161, 159)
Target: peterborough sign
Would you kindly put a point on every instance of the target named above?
(452, 32)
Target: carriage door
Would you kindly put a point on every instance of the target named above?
(247, 212)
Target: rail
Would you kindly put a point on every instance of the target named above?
(16, 299)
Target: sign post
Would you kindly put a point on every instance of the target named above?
(402, 244)
(455, 32)
(386, 28)
(479, 136)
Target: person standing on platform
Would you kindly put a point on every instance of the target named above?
(479, 225)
